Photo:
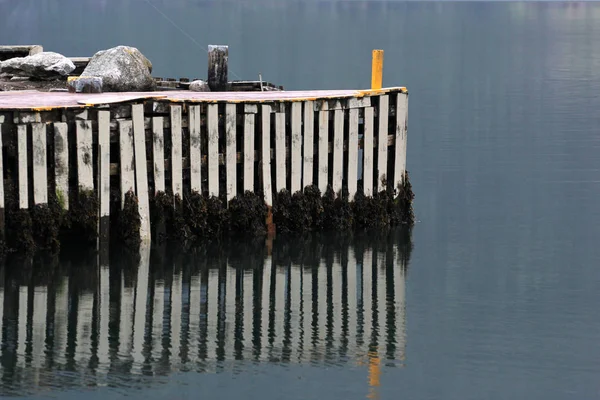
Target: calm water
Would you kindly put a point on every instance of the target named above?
(500, 295)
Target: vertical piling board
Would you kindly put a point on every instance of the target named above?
(2, 215)
(249, 123)
(352, 152)
(40, 172)
(158, 150)
(218, 57)
(195, 154)
(176, 151)
(280, 172)
(141, 175)
(126, 159)
(338, 151)
(266, 154)
(296, 152)
(61, 163)
(323, 149)
(230, 151)
(308, 131)
(104, 158)
(382, 142)
(22, 172)
(368, 152)
(400, 143)
(213, 149)
(85, 168)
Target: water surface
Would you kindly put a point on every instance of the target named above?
(501, 294)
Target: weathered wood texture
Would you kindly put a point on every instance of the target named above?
(276, 145)
(218, 57)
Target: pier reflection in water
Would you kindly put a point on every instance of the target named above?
(324, 300)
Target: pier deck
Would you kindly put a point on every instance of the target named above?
(35, 100)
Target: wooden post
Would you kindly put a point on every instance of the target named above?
(249, 123)
(296, 156)
(61, 163)
(377, 69)
(141, 169)
(217, 67)
(338, 152)
(323, 148)
(104, 170)
(368, 152)
(352, 152)
(1, 193)
(280, 172)
(382, 143)
(158, 153)
(126, 161)
(213, 149)
(176, 152)
(266, 154)
(401, 122)
(40, 168)
(22, 171)
(230, 151)
(85, 169)
(195, 155)
(309, 126)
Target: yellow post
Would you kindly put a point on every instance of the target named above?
(377, 69)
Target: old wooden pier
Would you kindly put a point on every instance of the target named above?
(218, 144)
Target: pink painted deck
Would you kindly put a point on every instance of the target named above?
(34, 100)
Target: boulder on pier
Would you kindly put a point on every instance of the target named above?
(122, 69)
(199, 86)
(44, 65)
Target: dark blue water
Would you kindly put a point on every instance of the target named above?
(499, 297)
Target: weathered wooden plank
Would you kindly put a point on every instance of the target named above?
(280, 170)
(382, 144)
(323, 149)
(249, 120)
(217, 67)
(230, 151)
(61, 163)
(352, 152)
(401, 123)
(213, 149)
(338, 151)
(22, 173)
(158, 154)
(126, 159)
(40, 168)
(176, 151)
(2, 215)
(296, 156)
(85, 169)
(368, 152)
(141, 169)
(104, 156)
(308, 130)
(266, 154)
(195, 154)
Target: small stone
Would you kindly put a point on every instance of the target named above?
(45, 65)
(199, 86)
(84, 84)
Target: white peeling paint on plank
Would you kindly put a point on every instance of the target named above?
(308, 131)
(382, 143)
(85, 169)
(280, 170)
(61, 162)
(296, 156)
(400, 145)
(40, 168)
(249, 123)
(141, 170)
(368, 152)
(338, 151)
(266, 154)
(230, 151)
(323, 149)
(352, 152)
(176, 151)
(104, 146)
(195, 153)
(158, 153)
(213, 149)
(126, 159)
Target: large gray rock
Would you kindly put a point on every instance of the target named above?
(122, 69)
(199, 86)
(45, 65)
